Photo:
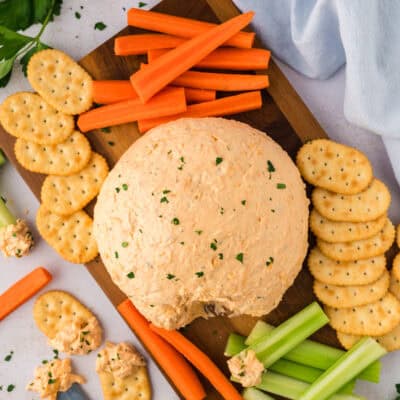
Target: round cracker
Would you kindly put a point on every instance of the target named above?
(398, 235)
(351, 296)
(366, 206)
(360, 249)
(60, 81)
(347, 341)
(334, 166)
(395, 277)
(335, 231)
(27, 116)
(62, 159)
(358, 272)
(375, 319)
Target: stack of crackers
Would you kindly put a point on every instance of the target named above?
(48, 143)
(353, 232)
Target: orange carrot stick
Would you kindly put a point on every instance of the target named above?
(225, 106)
(23, 290)
(114, 91)
(226, 58)
(222, 82)
(201, 361)
(148, 81)
(169, 101)
(139, 44)
(182, 27)
(171, 362)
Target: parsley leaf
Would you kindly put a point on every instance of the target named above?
(100, 26)
(142, 4)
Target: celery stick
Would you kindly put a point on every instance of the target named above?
(289, 334)
(312, 353)
(297, 371)
(234, 345)
(293, 388)
(3, 159)
(255, 394)
(345, 369)
(6, 218)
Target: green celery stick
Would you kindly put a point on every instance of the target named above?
(312, 353)
(289, 334)
(234, 345)
(6, 218)
(292, 388)
(255, 394)
(345, 369)
(3, 159)
(297, 371)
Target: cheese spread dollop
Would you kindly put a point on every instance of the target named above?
(78, 337)
(203, 217)
(246, 368)
(16, 239)
(120, 359)
(53, 377)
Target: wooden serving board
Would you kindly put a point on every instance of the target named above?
(283, 116)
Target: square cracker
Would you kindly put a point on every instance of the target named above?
(60, 81)
(27, 116)
(334, 166)
(360, 249)
(366, 206)
(65, 195)
(71, 236)
(351, 296)
(134, 387)
(375, 319)
(63, 159)
(359, 272)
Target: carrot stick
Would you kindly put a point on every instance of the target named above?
(150, 80)
(169, 101)
(139, 44)
(114, 91)
(23, 290)
(172, 363)
(226, 58)
(222, 82)
(201, 361)
(225, 106)
(182, 27)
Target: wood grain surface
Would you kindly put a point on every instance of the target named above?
(284, 117)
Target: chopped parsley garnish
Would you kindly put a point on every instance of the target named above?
(51, 381)
(182, 159)
(164, 200)
(131, 275)
(199, 274)
(169, 152)
(166, 191)
(85, 332)
(116, 254)
(125, 186)
(220, 256)
(142, 4)
(55, 351)
(10, 388)
(170, 276)
(213, 245)
(8, 357)
(218, 160)
(271, 167)
(100, 26)
(269, 261)
(140, 230)
(50, 374)
(111, 143)
(199, 232)
(106, 130)
(280, 186)
(182, 243)
(243, 202)
(87, 342)
(239, 257)
(44, 361)
(98, 355)
(124, 244)
(77, 15)
(117, 189)
(175, 221)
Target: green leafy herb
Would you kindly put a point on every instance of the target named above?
(175, 221)
(98, 355)
(111, 143)
(269, 261)
(106, 129)
(10, 388)
(243, 202)
(125, 186)
(8, 357)
(124, 244)
(51, 381)
(170, 276)
(218, 160)
(280, 186)
(131, 275)
(100, 26)
(213, 245)
(199, 232)
(44, 361)
(142, 4)
(116, 254)
(239, 257)
(270, 166)
(117, 189)
(55, 351)
(77, 15)
(166, 191)
(220, 256)
(199, 274)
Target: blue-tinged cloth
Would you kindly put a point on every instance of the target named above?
(317, 37)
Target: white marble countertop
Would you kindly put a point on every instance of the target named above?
(18, 331)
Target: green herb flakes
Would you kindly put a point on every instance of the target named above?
(269, 261)
(111, 143)
(131, 275)
(213, 245)
(125, 186)
(239, 257)
(199, 232)
(116, 254)
(142, 4)
(170, 276)
(220, 256)
(10, 388)
(166, 191)
(98, 355)
(100, 26)
(280, 186)
(106, 129)
(51, 381)
(270, 166)
(117, 189)
(8, 357)
(124, 244)
(175, 221)
(218, 160)
(55, 351)
(164, 200)
(243, 202)
(199, 274)
(44, 361)
(77, 15)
